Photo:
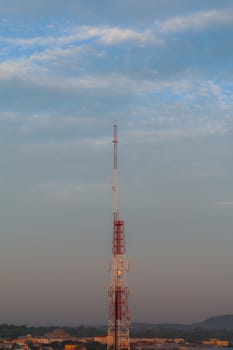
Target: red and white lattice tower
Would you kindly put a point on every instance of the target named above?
(119, 315)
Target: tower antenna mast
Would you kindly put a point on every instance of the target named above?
(119, 315)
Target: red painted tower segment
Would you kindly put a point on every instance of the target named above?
(118, 237)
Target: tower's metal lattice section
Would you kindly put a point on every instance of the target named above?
(119, 315)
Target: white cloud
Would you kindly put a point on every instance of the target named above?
(57, 54)
(114, 36)
(26, 42)
(197, 21)
(105, 35)
(15, 68)
(28, 69)
(111, 35)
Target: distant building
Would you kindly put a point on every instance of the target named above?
(20, 346)
(216, 342)
(58, 334)
(74, 347)
(5, 346)
(102, 340)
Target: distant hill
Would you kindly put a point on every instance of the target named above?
(213, 327)
(221, 322)
(157, 326)
(212, 323)
(217, 323)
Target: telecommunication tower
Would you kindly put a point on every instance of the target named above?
(119, 315)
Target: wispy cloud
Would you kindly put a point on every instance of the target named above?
(223, 203)
(15, 68)
(155, 136)
(114, 36)
(105, 35)
(197, 21)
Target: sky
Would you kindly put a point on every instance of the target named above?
(70, 69)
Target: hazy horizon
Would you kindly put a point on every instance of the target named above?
(67, 324)
(68, 71)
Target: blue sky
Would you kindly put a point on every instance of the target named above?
(68, 71)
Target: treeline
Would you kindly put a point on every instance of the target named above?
(190, 334)
(13, 331)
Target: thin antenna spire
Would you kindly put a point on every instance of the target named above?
(115, 171)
